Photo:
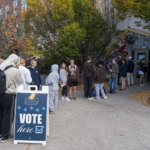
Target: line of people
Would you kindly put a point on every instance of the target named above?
(16, 74)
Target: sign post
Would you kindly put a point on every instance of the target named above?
(31, 116)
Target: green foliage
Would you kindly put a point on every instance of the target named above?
(60, 30)
(137, 8)
(5, 55)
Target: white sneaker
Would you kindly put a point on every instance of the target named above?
(62, 98)
(105, 97)
(67, 99)
(141, 84)
(144, 84)
(91, 98)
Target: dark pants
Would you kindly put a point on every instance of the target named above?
(6, 114)
(88, 87)
(65, 90)
(118, 82)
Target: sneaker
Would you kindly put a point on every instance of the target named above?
(109, 92)
(70, 98)
(105, 97)
(67, 99)
(74, 98)
(144, 84)
(62, 98)
(85, 98)
(141, 84)
(120, 89)
(112, 93)
(3, 140)
(91, 98)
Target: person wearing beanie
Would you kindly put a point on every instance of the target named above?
(130, 71)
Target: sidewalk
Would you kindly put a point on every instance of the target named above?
(117, 123)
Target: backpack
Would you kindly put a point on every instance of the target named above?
(3, 80)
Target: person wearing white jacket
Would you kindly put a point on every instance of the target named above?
(26, 75)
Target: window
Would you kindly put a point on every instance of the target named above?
(16, 51)
(15, 31)
(23, 5)
(22, 53)
(7, 9)
(23, 31)
(15, 10)
(1, 13)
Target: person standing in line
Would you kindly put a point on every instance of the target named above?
(25, 74)
(119, 64)
(130, 71)
(113, 76)
(143, 69)
(52, 81)
(35, 74)
(88, 76)
(101, 63)
(123, 73)
(63, 78)
(7, 99)
(99, 82)
(73, 75)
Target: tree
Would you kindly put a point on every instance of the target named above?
(67, 29)
(137, 8)
(9, 26)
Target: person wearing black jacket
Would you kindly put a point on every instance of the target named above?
(130, 71)
(143, 70)
(88, 76)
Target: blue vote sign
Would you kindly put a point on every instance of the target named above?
(30, 117)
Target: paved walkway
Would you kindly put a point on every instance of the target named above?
(117, 123)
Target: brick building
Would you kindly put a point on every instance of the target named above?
(15, 8)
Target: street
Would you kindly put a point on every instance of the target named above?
(117, 123)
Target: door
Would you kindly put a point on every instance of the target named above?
(137, 56)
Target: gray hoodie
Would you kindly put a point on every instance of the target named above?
(53, 79)
(13, 75)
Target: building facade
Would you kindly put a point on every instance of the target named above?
(15, 8)
(135, 42)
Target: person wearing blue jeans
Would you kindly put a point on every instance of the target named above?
(112, 84)
(99, 77)
(113, 76)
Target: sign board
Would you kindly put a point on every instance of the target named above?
(31, 116)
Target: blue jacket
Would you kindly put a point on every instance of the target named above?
(35, 74)
(130, 67)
